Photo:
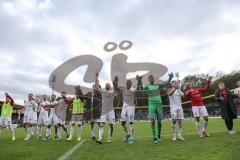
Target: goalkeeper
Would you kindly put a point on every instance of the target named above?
(155, 109)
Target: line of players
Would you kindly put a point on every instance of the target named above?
(58, 110)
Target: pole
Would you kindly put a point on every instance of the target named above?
(53, 81)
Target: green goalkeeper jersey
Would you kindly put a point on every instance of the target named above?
(153, 92)
(6, 110)
(78, 106)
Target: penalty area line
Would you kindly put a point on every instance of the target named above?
(67, 154)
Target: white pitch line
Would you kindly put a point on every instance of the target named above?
(71, 151)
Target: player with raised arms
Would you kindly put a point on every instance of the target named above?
(6, 115)
(77, 113)
(95, 111)
(198, 106)
(43, 116)
(61, 111)
(107, 110)
(175, 97)
(52, 119)
(128, 108)
(155, 109)
(30, 108)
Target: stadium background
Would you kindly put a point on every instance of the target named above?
(141, 99)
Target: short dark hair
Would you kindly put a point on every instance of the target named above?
(150, 76)
(173, 81)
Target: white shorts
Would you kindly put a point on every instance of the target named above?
(52, 119)
(177, 114)
(77, 119)
(199, 111)
(60, 121)
(127, 113)
(108, 117)
(5, 121)
(35, 119)
(43, 119)
(28, 117)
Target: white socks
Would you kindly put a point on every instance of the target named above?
(205, 124)
(92, 132)
(29, 131)
(11, 130)
(174, 130)
(131, 131)
(198, 126)
(71, 130)
(79, 131)
(179, 129)
(59, 132)
(48, 132)
(32, 131)
(101, 130)
(39, 131)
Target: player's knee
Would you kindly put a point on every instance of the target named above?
(197, 119)
(152, 120)
(205, 118)
(180, 123)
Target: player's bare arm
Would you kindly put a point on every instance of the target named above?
(116, 88)
(171, 91)
(97, 82)
(167, 83)
(139, 82)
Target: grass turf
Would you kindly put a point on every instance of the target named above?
(219, 146)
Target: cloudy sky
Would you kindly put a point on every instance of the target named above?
(187, 36)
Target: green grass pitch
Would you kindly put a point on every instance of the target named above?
(219, 146)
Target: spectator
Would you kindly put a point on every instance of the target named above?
(227, 106)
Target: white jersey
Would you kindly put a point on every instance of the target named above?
(43, 111)
(128, 97)
(61, 109)
(176, 100)
(107, 101)
(237, 91)
(30, 106)
(52, 110)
